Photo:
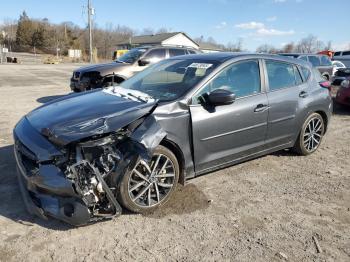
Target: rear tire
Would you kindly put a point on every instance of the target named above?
(148, 186)
(310, 136)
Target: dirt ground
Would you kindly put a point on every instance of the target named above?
(268, 209)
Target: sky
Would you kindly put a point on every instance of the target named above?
(256, 22)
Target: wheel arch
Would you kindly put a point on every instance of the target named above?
(324, 117)
(173, 147)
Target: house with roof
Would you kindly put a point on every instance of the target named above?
(164, 39)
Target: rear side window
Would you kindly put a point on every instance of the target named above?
(280, 75)
(176, 52)
(305, 72)
(314, 60)
(325, 61)
(346, 53)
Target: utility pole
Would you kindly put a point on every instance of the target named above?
(90, 29)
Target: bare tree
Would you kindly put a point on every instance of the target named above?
(268, 49)
(310, 44)
(235, 47)
(288, 48)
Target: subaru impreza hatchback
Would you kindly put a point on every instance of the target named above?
(83, 157)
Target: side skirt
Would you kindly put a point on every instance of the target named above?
(245, 158)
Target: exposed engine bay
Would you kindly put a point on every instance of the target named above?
(92, 164)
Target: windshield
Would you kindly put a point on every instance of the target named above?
(131, 56)
(170, 79)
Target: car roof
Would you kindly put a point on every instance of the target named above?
(300, 54)
(225, 56)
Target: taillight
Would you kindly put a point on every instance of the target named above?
(326, 84)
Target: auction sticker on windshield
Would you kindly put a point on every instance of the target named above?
(200, 65)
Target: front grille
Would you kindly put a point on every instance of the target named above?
(27, 158)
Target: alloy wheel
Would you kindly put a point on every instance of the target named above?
(150, 183)
(313, 134)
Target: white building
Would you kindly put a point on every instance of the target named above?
(172, 39)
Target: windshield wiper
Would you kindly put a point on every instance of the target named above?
(137, 97)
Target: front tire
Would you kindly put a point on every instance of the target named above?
(147, 186)
(310, 136)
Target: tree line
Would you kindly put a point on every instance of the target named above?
(40, 36)
(309, 44)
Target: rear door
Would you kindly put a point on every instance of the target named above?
(285, 89)
(224, 133)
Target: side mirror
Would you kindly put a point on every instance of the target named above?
(221, 97)
(144, 62)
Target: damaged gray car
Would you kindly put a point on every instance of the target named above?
(83, 157)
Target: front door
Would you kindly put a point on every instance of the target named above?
(224, 133)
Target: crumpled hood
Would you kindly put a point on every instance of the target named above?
(79, 116)
(102, 68)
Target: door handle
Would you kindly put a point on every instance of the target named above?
(303, 94)
(260, 108)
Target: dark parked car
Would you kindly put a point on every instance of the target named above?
(343, 93)
(321, 62)
(136, 60)
(340, 75)
(82, 157)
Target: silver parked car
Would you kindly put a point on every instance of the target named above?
(83, 157)
(136, 60)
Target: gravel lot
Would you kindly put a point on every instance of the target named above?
(268, 209)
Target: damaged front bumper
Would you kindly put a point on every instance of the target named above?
(83, 189)
(47, 192)
(45, 189)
